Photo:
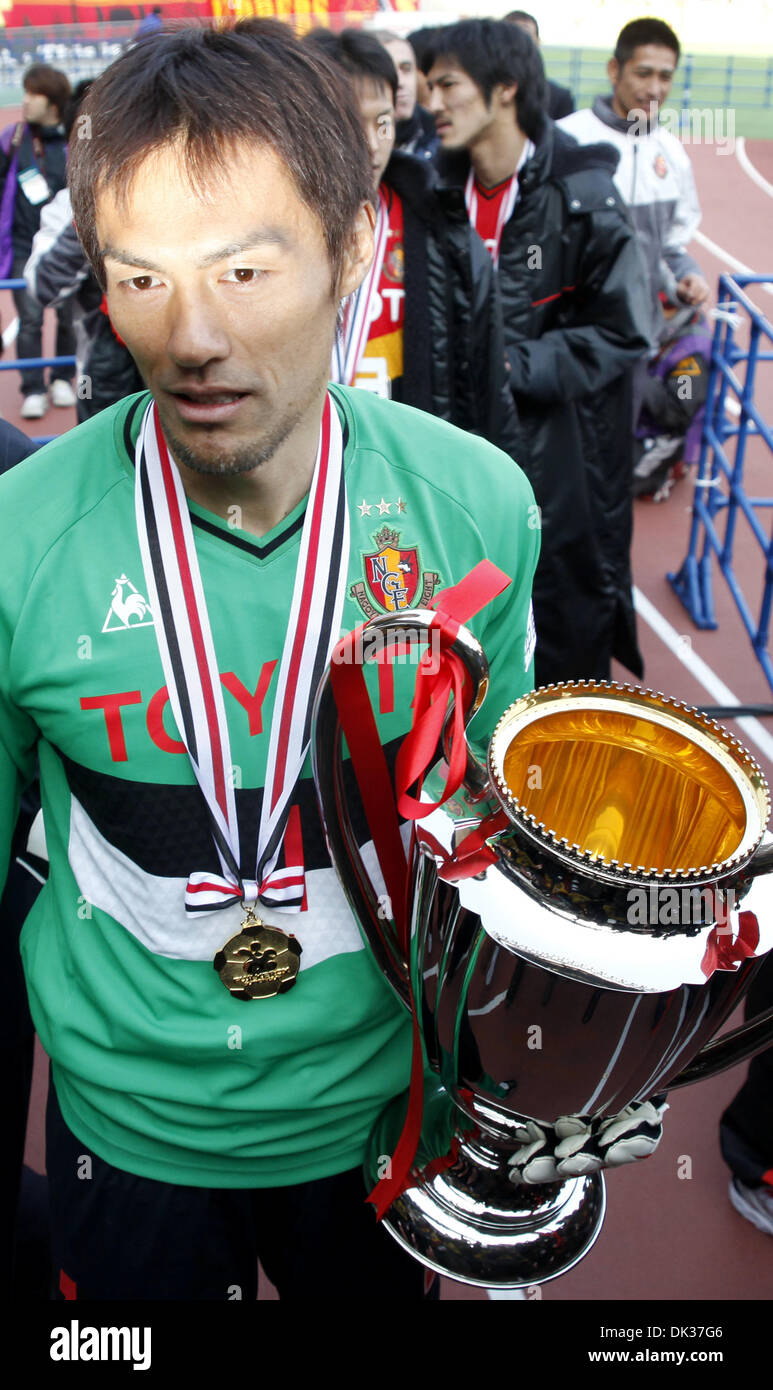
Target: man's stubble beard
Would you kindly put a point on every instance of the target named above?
(241, 459)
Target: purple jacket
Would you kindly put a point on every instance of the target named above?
(7, 202)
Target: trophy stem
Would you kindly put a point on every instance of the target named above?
(465, 1218)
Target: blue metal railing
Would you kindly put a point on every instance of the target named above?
(719, 487)
(16, 364)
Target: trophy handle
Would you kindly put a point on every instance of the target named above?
(762, 863)
(745, 1041)
(410, 626)
(748, 1038)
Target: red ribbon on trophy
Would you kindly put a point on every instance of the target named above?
(722, 952)
(435, 682)
(472, 855)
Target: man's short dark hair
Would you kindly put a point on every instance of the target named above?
(212, 89)
(422, 39)
(641, 32)
(42, 81)
(491, 51)
(362, 55)
(521, 16)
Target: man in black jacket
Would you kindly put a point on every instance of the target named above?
(426, 329)
(575, 314)
(32, 170)
(58, 274)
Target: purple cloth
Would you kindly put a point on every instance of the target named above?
(682, 347)
(7, 203)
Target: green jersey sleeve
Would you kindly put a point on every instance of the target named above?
(18, 739)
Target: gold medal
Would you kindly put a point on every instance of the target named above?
(259, 962)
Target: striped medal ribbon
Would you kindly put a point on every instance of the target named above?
(350, 342)
(187, 653)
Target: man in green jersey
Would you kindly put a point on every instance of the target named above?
(176, 573)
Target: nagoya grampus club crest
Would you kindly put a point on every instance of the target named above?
(392, 577)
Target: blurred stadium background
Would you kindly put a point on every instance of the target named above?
(728, 44)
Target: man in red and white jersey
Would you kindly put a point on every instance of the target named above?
(425, 327)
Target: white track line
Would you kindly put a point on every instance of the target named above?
(10, 333)
(748, 167)
(732, 261)
(720, 693)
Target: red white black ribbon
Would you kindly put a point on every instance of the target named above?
(506, 205)
(176, 596)
(434, 684)
(351, 341)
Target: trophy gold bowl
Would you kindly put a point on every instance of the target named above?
(586, 968)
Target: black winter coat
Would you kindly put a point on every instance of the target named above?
(453, 347)
(109, 369)
(575, 307)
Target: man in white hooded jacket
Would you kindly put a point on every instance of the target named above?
(654, 175)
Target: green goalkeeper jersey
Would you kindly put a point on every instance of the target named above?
(157, 1067)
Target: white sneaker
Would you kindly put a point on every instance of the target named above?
(755, 1203)
(61, 393)
(34, 407)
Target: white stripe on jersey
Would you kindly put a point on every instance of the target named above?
(152, 908)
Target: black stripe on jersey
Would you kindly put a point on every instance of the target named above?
(165, 829)
(252, 548)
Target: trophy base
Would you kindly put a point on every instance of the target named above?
(466, 1219)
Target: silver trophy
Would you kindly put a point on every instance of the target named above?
(583, 970)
